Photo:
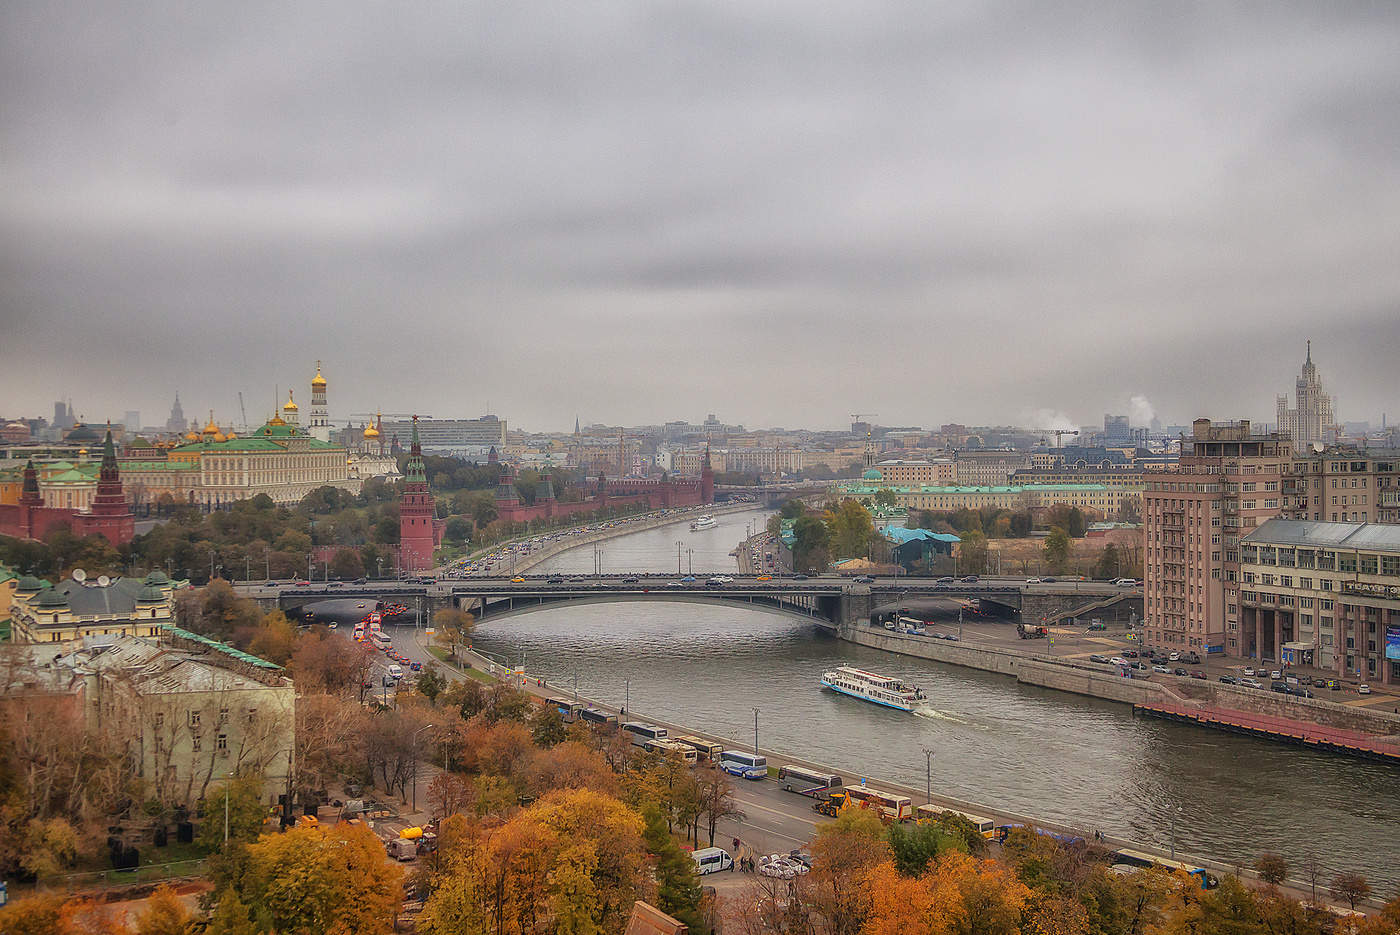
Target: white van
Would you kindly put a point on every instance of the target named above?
(712, 860)
(396, 671)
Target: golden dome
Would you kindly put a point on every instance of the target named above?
(231, 436)
(191, 436)
(82, 452)
(212, 428)
(276, 420)
(371, 431)
(291, 404)
(318, 380)
(220, 437)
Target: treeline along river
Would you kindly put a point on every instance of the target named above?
(1057, 756)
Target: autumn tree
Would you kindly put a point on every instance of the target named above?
(1351, 887)
(314, 880)
(851, 528)
(914, 848)
(547, 726)
(715, 794)
(241, 799)
(1272, 868)
(451, 627)
(843, 851)
(165, 914)
(972, 553)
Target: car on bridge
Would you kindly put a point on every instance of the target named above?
(517, 580)
(858, 579)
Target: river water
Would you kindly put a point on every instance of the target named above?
(1061, 757)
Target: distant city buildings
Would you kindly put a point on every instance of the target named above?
(467, 438)
(1312, 420)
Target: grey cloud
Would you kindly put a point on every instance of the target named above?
(777, 212)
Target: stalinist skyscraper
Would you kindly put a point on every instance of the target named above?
(1312, 421)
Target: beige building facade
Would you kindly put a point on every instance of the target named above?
(1323, 594)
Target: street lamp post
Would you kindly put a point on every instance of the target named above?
(679, 546)
(928, 775)
(415, 763)
(626, 695)
(755, 732)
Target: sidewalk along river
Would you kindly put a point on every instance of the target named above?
(1064, 758)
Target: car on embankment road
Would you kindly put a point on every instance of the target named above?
(1096, 657)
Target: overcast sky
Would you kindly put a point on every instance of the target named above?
(778, 212)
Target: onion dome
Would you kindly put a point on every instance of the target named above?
(30, 583)
(231, 435)
(220, 437)
(291, 405)
(276, 420)
(371, 431)
(150, 595)
(157, 578)
(191, 436)
(212, 427)
(51, 598)
(318, 380)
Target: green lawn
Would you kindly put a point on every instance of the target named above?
(441, 654)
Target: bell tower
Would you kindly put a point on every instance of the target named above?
(320, 425)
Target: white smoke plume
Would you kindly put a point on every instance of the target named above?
(1049, 419)
(1140, 412)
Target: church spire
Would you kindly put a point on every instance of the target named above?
(1309, 360)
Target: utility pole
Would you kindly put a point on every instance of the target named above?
(679, 545)
(626, 695)
(928, 775)
(755, 732)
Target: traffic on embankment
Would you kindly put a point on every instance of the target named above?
(784, 796)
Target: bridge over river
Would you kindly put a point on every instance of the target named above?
(830, 600)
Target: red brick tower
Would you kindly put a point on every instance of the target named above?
(110, 516)
(417, 529)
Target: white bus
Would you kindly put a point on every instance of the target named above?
(642, 732)
(890, 806)
(985, 826)
(709, 750)
(739, 763)
(805, 781)
(381, 640)
(689, 755)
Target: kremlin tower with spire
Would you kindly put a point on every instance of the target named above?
(420, 531)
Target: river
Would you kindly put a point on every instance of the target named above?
(1061, 757)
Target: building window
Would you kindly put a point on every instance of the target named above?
(222, 743)
(194, 718)
(195, 743)
(1369, 564)
(1347, 563)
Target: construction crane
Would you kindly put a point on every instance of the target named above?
(386, 415)
(1059, 434)
(243, 409)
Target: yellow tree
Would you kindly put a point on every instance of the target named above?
(164, 914)
(323, 881)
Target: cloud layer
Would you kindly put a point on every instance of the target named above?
(779, 212)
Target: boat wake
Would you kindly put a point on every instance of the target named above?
(935, 714)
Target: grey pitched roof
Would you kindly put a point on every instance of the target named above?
(1378, 537)
(119, 597)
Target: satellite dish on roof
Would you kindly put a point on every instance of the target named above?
(79, 575)
(103, 581)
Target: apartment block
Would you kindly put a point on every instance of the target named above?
(1228, 482)
(1344, 485)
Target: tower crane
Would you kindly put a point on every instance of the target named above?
(244, 410)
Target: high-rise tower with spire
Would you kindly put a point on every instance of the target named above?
(320, 424)
(1313, 421)
(420, 532)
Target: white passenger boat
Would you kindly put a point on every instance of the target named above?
(883, 690)
(704, 522)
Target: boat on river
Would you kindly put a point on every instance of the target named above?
(880, 689)
(704, 522)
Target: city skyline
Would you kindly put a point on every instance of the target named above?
(784, 213)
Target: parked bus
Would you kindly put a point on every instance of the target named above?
(690, 755)
(985, 826)
(568, 710)
(600, 718)
(1140, 859)
(739, 763)
(805, 781)
(642, 732)
(890, 806)
(708, 749)
(381, 640)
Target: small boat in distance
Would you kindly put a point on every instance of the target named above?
(881, 689)
(704, 522)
